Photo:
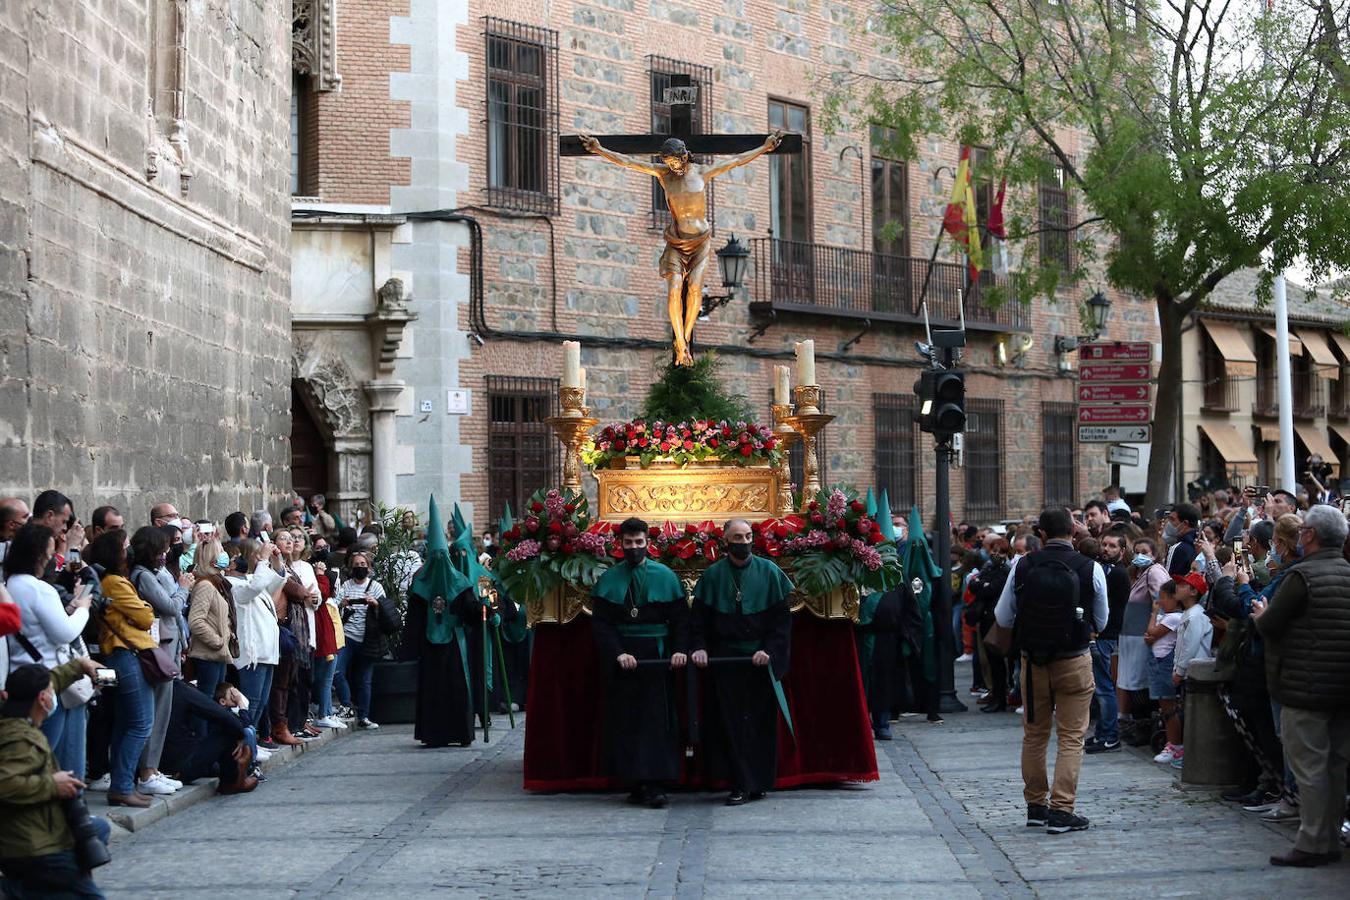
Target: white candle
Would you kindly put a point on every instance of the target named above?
(782, 384)
(581, 382)
(571, 364)
(806, 362)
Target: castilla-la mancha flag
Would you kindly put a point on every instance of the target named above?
(959, 220)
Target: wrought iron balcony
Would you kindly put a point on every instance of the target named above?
(794, 276)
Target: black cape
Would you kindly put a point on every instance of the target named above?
(641, 742)
(444, 709)
(741, 726)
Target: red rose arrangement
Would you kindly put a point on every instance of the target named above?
(738, 443)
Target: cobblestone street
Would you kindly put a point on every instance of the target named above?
(374, 815)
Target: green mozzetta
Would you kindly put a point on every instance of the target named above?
(438, 578)
(652, 583)
(761, 585)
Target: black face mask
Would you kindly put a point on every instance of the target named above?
(320, 555)
(634, 555)
(175, 551)
(360, 572)
(738, 552)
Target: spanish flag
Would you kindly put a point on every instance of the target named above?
(960, 221)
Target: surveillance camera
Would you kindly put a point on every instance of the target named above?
(477, 338)
(925, 350)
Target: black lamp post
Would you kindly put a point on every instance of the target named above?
(1099, 307)
(732, 260)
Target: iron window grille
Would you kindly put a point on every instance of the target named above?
(1058, 470)
(1056, 219)
(896, 450)
(521, 112)
(523, 454)
(983, 451)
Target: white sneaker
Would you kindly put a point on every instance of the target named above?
(330, 722)
(171, 782)
(263, 754)
(1167, 755)
(964, 657)
(155, 784)
(367, 724)
(1285, 812)
(100, 784)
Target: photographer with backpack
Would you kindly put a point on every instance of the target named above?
(1055, 601)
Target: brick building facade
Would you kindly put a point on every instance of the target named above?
(142, 253)
(567, 247)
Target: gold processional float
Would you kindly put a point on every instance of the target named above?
(698, 490)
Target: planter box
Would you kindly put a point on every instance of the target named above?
(393, 692)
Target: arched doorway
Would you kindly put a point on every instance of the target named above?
(309, 453)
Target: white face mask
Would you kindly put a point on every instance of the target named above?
(48, 699)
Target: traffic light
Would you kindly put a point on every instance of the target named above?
(942, 401)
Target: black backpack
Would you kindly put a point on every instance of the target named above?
(1048, 622)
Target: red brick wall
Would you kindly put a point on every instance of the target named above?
(348, 130)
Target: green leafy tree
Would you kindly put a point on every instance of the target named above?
(1203, 136)
(686, 393)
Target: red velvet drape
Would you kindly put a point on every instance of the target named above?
(824, 688)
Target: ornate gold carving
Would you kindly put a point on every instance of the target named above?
(840, 603)
(783, 431)
(573, 431)
(557, 607)
(688, 495)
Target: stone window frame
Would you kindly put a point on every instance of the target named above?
(503, 189)
(659, 70)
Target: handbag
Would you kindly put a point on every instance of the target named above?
(80, 691)
(157, 664)
(998, 639)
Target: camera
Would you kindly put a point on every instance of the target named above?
(105, 677)
(90, 851)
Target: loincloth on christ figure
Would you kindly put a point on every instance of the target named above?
(684, 254)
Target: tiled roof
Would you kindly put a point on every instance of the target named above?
(1237, 294)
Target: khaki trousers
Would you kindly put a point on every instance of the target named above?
(1058, 693)
(1317, 749)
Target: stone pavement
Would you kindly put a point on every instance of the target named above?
(376, 815)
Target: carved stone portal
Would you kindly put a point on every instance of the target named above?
(338, 404)
(314, 42)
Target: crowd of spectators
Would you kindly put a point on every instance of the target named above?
(150, 657)
(1259, 583)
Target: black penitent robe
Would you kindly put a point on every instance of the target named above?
(879, 651)
(641, 742)
(740, 735)
(444, 708)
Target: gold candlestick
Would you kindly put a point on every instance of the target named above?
(807, 397)
(573, 428)
(573, 431)
(808, 422)
(785, 435)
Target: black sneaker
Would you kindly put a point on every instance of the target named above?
(1103, 747)
(1063, 820)
(736, 798)
(1241, 795)
(1037, 815)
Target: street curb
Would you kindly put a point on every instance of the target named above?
(128, 819)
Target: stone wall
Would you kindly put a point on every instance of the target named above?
(144, 346)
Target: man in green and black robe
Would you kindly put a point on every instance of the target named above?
(442, 604)
(741, 609)
(639, 612)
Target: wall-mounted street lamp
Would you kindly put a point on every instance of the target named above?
(732, 260)
(1099, 313)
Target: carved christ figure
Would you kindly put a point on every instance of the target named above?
(689, 235)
